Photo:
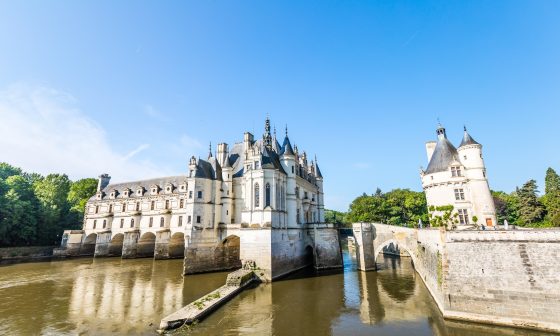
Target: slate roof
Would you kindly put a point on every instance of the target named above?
(444, 154)
(467, 140)
(146, 184)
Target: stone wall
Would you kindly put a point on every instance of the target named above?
(500, 277)
(507, 277)
(207, 254)
(328, 252)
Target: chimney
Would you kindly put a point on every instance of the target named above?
(103, 181)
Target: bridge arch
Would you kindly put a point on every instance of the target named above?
(146, 245)
(379, 248)
(309, 256)
(116, 245)
(177, 245)
(88, 245)
(231, 249)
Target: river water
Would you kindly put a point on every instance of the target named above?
(129, 297)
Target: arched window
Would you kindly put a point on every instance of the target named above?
(257, 196)
(161, 222)
(267, 194)
(132, 222)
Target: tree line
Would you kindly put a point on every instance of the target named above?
(35, 209)
(404, 207)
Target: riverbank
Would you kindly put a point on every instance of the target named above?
(14, 255)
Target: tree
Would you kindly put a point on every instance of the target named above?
(18, 223)
(52, 192)
(7, 170)
(507, 206)
(336, 217)
(530, 208)
(551, 198)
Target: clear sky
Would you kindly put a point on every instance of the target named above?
(135, 88)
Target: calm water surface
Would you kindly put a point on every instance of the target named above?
(129, 297)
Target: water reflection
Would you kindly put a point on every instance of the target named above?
(110, 296)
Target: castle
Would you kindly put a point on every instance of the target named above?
(259, 201)
(457, 177)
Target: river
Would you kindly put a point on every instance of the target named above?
(129, 297)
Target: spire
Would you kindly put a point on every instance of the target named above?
(267, 138)
(210, 150)
(286, 130)
(467, 139)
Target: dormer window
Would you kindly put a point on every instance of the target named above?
(100, 195)
(113, 194)
(183, 187)
(126, 192)
(154, 189)
(140, 191)
(456, 171)
(168, 188)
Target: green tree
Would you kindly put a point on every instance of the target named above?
(507, 206)
(18, 222)
(52, 192)
(551, 198)
(367, 209)
(531, 210)
(78, 195)
(7, 170)
(336, 217)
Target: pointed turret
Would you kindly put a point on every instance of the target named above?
(267, 137)
(210, 150)
(287, 146)
(467, 139)
(444, 153)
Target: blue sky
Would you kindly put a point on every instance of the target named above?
(135, 88)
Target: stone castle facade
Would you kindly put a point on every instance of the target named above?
(252, 193)
(457, 177)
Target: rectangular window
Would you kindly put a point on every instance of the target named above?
(190, 194)
(200, 194)
(124, 207)
(137, 206)
(455, 171)
(122, 222)
(198, 219)
(459, 194)
(189, 219)
(151, 221)
(166, 204)
(463, 216)
(152, 205)
(181, 203)
(180, 220)
(110, 208)
(97, 209)
(94, 223)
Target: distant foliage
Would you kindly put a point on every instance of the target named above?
(336, 217)
(34, 210)
(397, 207)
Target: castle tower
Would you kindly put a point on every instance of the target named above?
(289, 162)
(457, 177)
(470, 154)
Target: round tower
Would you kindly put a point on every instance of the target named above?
(470, 154)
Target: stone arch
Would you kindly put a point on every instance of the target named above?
(116, 245)
(231, 247)
(395, 242)
(146, 245)
(177, 245)
(88, 245)
(309, 256)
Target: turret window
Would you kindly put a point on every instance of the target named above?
(459, 194)
(257, 195)
(456, 171)
(198, 220)
(199, 194)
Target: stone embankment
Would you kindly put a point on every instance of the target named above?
(200, 308)
(11, 255)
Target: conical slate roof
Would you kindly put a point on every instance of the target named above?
(467, 139)
(287, 147)
(444, 154)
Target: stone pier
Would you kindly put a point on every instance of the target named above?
(130, 244)
(102, 244)
(162, 244)
(364, 235)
